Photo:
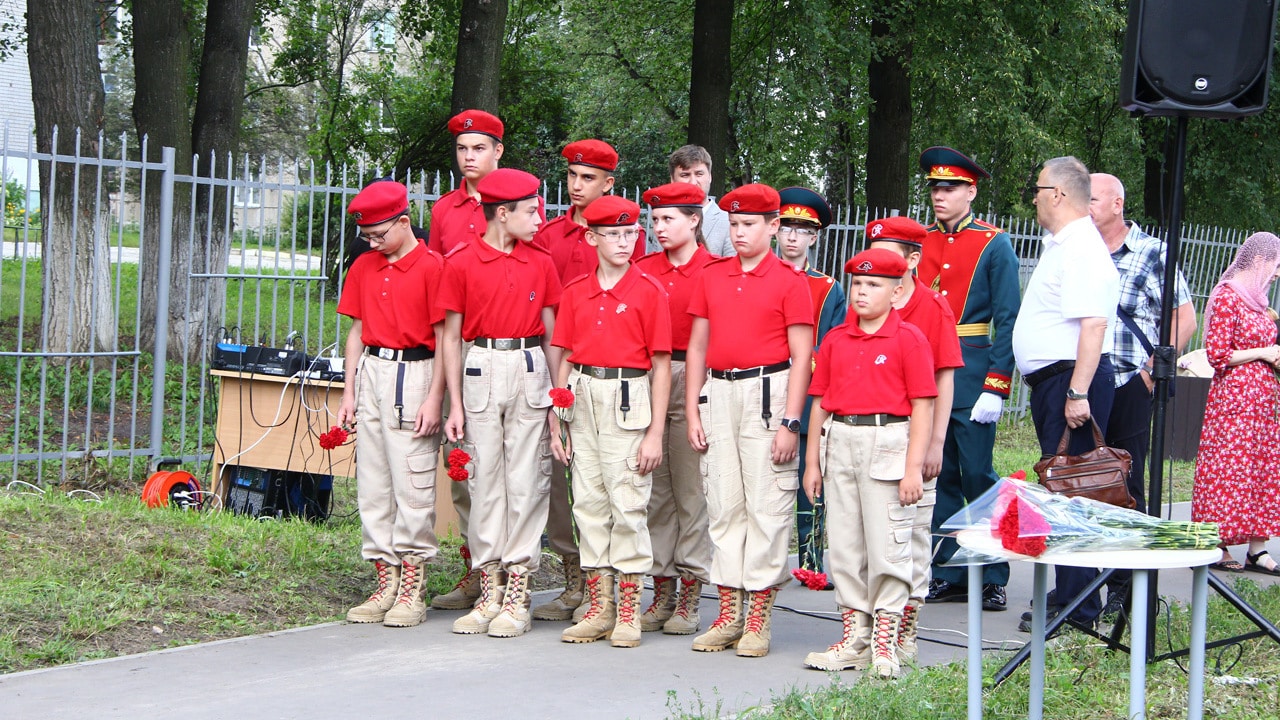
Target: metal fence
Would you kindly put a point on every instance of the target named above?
(111, 411)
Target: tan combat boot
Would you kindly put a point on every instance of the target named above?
(884, 645)
(685, 619)
(725, 632)
(626, 629)
(375, 608)
(464, 593)
(663, 605)
(409, 610)
(597, 622)
(569, 599)
(907, 647)
(487, 606)
(514, 620)
(852, 651)
(756, 633)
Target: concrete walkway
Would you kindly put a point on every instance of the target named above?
(339, 671)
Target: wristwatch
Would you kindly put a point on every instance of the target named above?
(1073, 395)
(792, 424)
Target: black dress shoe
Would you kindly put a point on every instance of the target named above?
(993, 597)
(1050, 611)
(941, 591)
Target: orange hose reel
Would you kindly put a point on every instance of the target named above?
(161, 487)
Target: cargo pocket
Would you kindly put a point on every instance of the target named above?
(782, 500)
(537, 379)
(898, 547)
(632, 410)
(422, 478)
(477, 377)
(634, 489)
(889, 456)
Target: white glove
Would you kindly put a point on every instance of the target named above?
(987, 408)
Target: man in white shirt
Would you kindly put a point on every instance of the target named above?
(1060, 341)
(692, 164)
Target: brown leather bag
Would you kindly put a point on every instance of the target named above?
(1099, 474)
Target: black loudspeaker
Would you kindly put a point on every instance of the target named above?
(1198, 58)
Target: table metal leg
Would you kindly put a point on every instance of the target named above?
(1199, 607)
(975, 642)
(1039, 601)
(1138, 647)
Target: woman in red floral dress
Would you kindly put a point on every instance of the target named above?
(1237, 483)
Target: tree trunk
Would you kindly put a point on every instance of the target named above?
(161, 114)
(889, 159)
(67, 93)
(478, 65)
(710, 79)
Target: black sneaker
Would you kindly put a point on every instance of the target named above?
(1117, 602)
(1051, 609)
(993, 597)
(941, 591)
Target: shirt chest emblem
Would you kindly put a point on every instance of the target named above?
(532, 295)
(881, 359)
(622, 307)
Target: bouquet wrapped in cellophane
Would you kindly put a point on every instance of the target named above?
(1023, 518)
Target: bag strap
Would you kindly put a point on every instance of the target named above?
(1098, 440)
(1137, 331)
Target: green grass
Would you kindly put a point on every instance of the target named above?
(83, 580)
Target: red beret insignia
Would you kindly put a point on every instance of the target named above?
(864, 266)
(733, 206)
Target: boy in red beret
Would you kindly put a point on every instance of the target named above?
(929, 312)
(589, 177)
(498, 292)
(615, 327)
(393, 395)
(873, 396)
(456, 216)
(804, 215)
(677, 503)
(752, 333)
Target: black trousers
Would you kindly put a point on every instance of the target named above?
(1129, 428)
(1048, 405)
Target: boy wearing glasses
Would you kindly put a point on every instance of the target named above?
(589, 177)
(752, 334)
(972, 264)
(393, 392)
(803, 216)
(615, 327)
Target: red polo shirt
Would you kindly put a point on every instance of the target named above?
(930, 313)
(861, 374)
(500, 295)
(678, 282)
(749, 312)
(567, 242)
(621, 327)
(395, 302)
(455, 217)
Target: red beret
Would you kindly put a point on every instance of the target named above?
(380, 201)
(900, 229)
(507, 185)
(677, 194)
(753, 199)
(611, 210)
(476, 121)
(878, 262)
(595, 153)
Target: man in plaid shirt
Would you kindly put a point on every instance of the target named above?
(1140, 259)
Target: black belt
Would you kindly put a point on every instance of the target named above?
(878, 420)
(678, 355)
(509, 343)
(605, 373)
(750, 372)
(1035, 378)
(421, 352)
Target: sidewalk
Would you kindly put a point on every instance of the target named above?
(340, 671)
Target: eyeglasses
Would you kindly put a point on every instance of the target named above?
(617, 237)
(1032, 190)
(372, 238)
(803, 233)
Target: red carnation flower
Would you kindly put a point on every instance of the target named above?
(1018, 474)
(811, 579)
(1023, 530)
(561, 397)
(457, 460)
(334, 438)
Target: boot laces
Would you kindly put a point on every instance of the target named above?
(487, 583)
(465, 580)
(846, 636)
(384, 579)
(686, 602)
(515, 590)
(661, 591)
(727, 609)
(756, 614)
(626, 601)
(908, 624)
(408, 581)
(884, 636)
(593, 597)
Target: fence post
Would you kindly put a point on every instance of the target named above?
(160, 357)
